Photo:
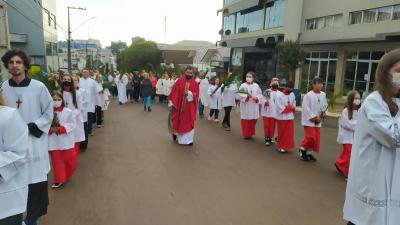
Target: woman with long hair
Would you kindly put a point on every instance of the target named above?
(373, 187)
(347, 125)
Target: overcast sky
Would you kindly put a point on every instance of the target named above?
(124, 19)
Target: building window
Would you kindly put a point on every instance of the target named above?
(356, 17)
(396, 12)
(48, 49)
(249, 20)
(229, 24)
(385, 13)
(369, 16)
(360, 71)
(226, 2)
(320, 64)
(274, 15)
(322, 22)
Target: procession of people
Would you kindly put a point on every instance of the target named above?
(49, 129)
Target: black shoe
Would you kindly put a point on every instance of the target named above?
(303, 155)
(247, 138)
(174, 137)
(120, 103)
(337, 168)
(268, 141)
(191, 144)
(311, 158)
(144, 108)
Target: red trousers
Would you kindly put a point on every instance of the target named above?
(63, 162)
(248, 128)
(285, 134)
(269, 127)
(312, 138)
(343, 162)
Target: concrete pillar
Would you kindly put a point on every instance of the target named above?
(297, 78)
(340, 71)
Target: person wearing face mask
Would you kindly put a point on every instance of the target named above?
(249, 95)
(347, 125)
(286, 107)
(313, 111)
(183, 103)
(62, 142)
(373, 187)
(269, 113)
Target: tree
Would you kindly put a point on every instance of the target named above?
(290, 57)
(140, 55)
(117, 47)
(88, 62)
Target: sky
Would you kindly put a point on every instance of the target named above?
(123, 19)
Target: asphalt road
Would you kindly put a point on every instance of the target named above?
(133, 174)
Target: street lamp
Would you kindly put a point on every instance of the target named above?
(69, 37)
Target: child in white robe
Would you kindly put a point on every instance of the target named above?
(62, 142)
(215, 99)
(269, 113)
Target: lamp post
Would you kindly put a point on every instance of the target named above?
(69, 37)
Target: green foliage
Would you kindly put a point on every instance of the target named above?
(228, 79)
(140, 55)
(117, 47)
(88, 63)
(290, 55)
(36, 73)
(332, 100)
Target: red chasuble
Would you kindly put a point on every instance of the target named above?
(183, 112)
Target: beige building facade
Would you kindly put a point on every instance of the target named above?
(344, 39)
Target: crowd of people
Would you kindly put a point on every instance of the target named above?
(37, 123)
(39, 126)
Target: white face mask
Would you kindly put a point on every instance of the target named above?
(249, 79)
(396, 79)
(357, 102)
(57, 104)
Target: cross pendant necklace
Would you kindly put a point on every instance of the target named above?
(19, 102)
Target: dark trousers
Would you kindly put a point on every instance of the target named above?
(227, 116)
(99, 115)
(214, 112)
(162, 98)
(129, 93)
(201, 108)
(38, 200)
(136, 93)
(114, 91)
(154, 94)
(91, 120)
(350, 223)
(84, 143)
(12, 220)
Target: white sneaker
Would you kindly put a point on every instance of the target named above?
(99, 126)
(282, 150)
(216, 120)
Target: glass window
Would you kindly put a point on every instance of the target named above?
(324, 55)
(304, 77)
(48, 49)
(311, 24)
(374, 66)
(249, 21)
(315, 55)
(308, 55)
(377, 55)
(385, 13)
(274, 15)
(323, 70)
(355, 17)
(337, 22)
(54, 48)
(228, 2)
(229, 24)
(314, 69)
(396, 12)
(333, 55)
(364, 55)
(352, 55)
(349, 76)
(49, 18)
(362, 70)
(369, 16)
(330, 85)
(320, 23)
(329, 21)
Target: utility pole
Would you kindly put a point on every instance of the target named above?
(69, 37)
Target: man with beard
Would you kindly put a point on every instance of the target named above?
(183, 101)
(35, 105)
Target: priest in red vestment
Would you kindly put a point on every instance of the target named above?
(183, 102)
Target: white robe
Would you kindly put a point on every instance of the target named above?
(14, 147)
(373, 187)
(79, 131)
(100, 97)
(347, 127)
(271, 111)
(215, 101)
(36, 107)
(168, 86)
(82, 93)
(161, 86)
(90, 87)
(204, 85)
(229, 96)
(313, 105)
(250, 110)
(121, 85)
(282, 101)
(64, 141)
